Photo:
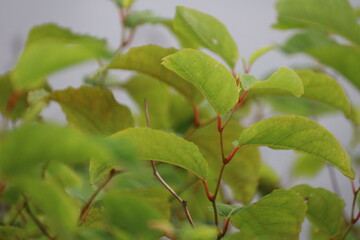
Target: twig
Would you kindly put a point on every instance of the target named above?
(352, 219)
(85, 209)
(162, 181)
(36, 221)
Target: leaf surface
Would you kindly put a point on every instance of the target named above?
(208, 75)
(298, 133)
(207, 31)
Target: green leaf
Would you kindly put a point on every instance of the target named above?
(342, 58)
(201, 232)
(137, 18)
(243, 172)
(298, 133)
(208, 32)
(165, 147)
(124, 3)
(324, 209)
(93, 110)
(259, 53)
(147, 60)
(247, 80)
(6, 91)
(319, 15)
(50, 48)
(60, 211)
(225, 210)
(284, 80)
(136, 215)
(278, 215)
(269, 180)
(307, 165)
(11, 233)
(62, 175)
(208, 75)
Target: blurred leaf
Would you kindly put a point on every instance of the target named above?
(319, 15)
(225, 210)
(307, 165)
(207, 31)
(247, 80)
(298, 133)
(93, 110)
(147, 60)
(243, 172)
(12, 233)
(136, 215)
(284, 80)
(6, 91)
(259, 53)
(137, 18)
(201, 232)
(324, 209)
(62, 175)
(50, 48)
(165, 147)
(278, 215)
(124, 3)
(342, 58)
(208, 75)
(269, 180)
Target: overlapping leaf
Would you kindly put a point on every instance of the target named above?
(207, 31)
(298, 133)
(50, 48)
(93, 110)
(147, 60)
(208, 75)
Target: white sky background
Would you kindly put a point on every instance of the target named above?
(249, 22)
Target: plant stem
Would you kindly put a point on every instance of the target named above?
(36, 221)
(352, 219)
(162, 181)
(85, 209)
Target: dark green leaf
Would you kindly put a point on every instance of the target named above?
(50, 48)
(278, 216)
(208, 75)
(12, 233)
(324, 209)
(147, 60)
(334, 16)
(208, 32)
(93, 110)
(269, 179)
(298, 133)
(165, 147)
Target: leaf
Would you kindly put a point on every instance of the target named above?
(201, 232)
(62, 175)
(269, 180)
(259, 53)
(147, 60)
(136, 215)
(209, 76)
(319, 15)
(243, 172)
(93, 110)
(11, 233)
(207, 31)
(50, 48)
(324, 209)
(298, 133)
(137, 18)
(225, 210)
(60, 211)
(123, 3)
(284, 80)
(342, 58)
(278, 215)
(247, 80)
(6, 91)
(165, 147)
(41, 143)
(307, 165)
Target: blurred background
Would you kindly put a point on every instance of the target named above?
(248, 21)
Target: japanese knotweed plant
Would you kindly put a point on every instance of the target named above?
(181, 165)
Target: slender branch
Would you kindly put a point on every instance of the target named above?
(162, 181)
(352, 219)
(196, 116)
(85, 209)
(224, 230)
(36, 220)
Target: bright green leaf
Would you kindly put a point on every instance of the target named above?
(208, 75)
(93, 110)
(298, 133)
(247, 80)
(260, 52)
(307, 165)
(334, 16)
(278, 215)
(324, 209)
(208, 32)
(62, 175)
(284, 80)
(147, 60)
(51, 48)
(165, 147)
(201, 232)
(137, 18)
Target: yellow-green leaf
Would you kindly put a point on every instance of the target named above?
(208, 75)
(298, 133)
(208, 32)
